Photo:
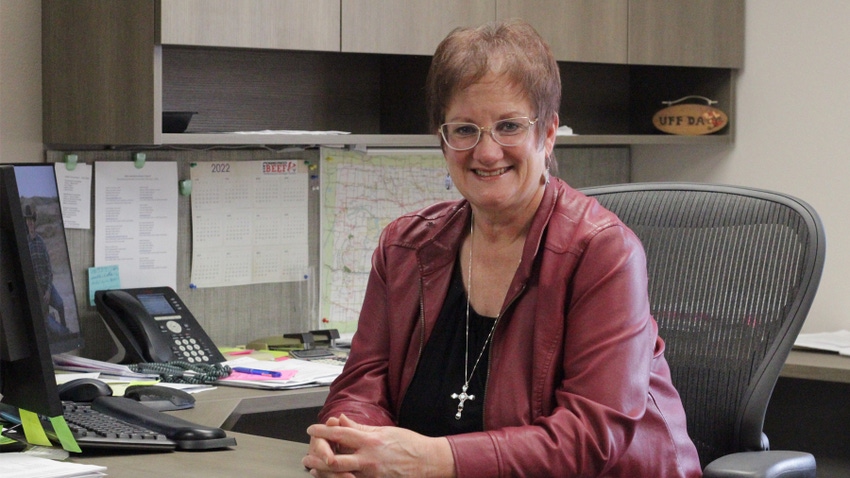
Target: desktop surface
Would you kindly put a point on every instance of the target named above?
(812, 365)
(224, 406)
(260, 456)
(253, 456)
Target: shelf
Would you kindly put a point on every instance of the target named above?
(412, 140)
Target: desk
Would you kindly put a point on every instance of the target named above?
(253, 456)
(224, 406)
(810, 410)
(823, 366)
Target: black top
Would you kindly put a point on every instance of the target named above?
(428, 407)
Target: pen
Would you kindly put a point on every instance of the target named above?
(255, 371)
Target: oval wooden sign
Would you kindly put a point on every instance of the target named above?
(690, 119)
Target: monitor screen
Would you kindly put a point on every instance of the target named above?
(27, 378)
(39, 197)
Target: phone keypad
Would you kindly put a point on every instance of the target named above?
(189, 349)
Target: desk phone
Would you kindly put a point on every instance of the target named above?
(154, 325)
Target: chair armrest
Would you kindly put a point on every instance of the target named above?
(763, 464)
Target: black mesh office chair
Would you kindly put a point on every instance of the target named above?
(732, 274)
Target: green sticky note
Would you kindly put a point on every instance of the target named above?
(103, 278)
(32, 429)
(66, 438)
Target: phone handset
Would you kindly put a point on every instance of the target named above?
(141, 335)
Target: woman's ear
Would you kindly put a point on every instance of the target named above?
(551, 134)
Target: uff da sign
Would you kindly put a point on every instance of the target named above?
(690, 119)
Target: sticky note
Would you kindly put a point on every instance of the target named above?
(103, 278)
(32, 429)
(66, 437)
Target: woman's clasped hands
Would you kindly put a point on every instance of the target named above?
(344, 448)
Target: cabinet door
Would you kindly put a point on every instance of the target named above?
(592, 31)
(407, 27)
(98, 75)
(706, 33)
(272, 24)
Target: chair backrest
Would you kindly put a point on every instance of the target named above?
(732, 274)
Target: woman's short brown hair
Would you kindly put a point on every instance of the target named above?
(512, 48)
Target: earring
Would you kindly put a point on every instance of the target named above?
(448, 181)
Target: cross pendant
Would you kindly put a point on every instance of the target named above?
(462, 396)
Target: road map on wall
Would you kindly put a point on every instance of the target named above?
(360, 194)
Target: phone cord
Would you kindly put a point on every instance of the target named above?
(184, 372)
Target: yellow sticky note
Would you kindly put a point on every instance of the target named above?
(32, 429)
(66, 437)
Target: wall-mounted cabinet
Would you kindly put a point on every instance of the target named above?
(111, 68)
(406, 28)
(701, 33)
(594, 31)
(291, 24)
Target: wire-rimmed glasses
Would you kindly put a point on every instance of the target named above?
(506, 132)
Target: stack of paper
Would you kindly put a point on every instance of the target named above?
(838, 341)
(293, 373)
(73, 363)
(22, 465)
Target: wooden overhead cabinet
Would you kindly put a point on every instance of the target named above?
(110, 68)
(594, 31)
(700, 33)
(273, 24)
(406, 28)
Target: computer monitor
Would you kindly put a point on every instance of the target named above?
(35, 312)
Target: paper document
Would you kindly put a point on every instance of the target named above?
(360, 195)
(74, 363)
(23, 465)
(838, 341)
(295, 373)
(75, 195)
(136, 221)
(249, 222)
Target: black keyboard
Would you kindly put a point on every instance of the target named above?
(96, 430)
(187, 435)
(119, 423)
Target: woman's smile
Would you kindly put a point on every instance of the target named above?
(490, 173)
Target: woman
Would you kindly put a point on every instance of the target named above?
(506, 334)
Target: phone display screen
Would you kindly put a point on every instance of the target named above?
(156, 304)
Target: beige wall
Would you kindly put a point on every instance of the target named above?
(792, 127)
(20, 81)
(792, 131)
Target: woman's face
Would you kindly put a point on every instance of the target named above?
(496, 178)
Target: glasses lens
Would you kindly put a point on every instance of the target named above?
(461, 136)
(511, 131)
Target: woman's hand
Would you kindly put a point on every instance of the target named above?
(341, 447)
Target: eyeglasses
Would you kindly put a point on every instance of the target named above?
(507, 132)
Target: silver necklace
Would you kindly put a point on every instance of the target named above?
(463, 396)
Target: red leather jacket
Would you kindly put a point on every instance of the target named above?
(577, 384)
